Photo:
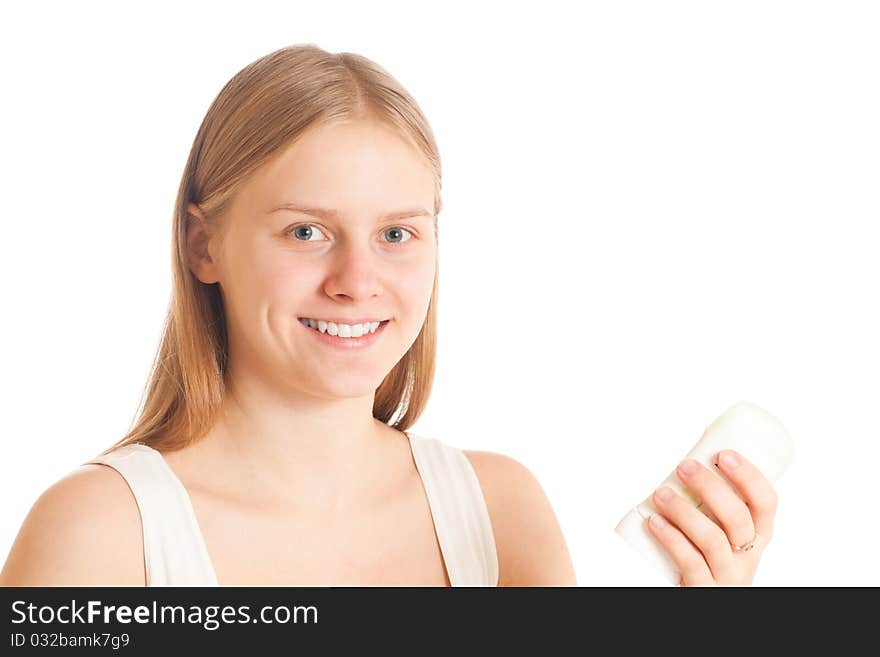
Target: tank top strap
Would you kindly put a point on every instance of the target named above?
(461, 517)
(175, 553)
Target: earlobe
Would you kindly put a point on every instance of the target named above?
(197, 241)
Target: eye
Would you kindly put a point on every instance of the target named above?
(304, 233)
(305, 230)
(398, 230)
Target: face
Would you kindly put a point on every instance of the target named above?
(356, 241)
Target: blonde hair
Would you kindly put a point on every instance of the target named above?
(262, 109)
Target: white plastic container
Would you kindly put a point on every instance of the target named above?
(744, 428)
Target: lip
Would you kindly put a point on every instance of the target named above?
(346, 343)
(350, 322)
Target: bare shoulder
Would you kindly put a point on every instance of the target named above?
(529, 541)
(84, 530)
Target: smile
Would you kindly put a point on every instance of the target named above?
(344, 335)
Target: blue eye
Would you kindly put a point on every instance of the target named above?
(398, 229)
(306, 231)
(305, 226)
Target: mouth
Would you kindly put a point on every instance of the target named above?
(344, 338)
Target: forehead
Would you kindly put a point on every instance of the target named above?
(352, 166)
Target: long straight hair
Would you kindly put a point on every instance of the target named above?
(262, 109)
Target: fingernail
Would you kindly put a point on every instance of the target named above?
(687, 466)
(658, 521)
(664, 494)
(728, 459)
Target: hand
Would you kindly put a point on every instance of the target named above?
(702, 546)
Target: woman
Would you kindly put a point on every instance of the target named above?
(272, 446)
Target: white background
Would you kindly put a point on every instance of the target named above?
(651, 211)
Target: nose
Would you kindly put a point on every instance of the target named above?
(355, 273)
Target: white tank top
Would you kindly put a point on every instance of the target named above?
(175, 553)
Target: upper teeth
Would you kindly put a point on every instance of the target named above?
(342, 330)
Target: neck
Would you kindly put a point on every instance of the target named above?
(300, 452)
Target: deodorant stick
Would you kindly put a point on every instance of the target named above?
(744, 428)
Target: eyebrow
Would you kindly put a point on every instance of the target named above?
(328, 213)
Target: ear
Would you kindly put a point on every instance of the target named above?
(198, 240)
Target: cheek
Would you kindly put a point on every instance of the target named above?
(290, 290)
(268, 278)
(415, 285)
